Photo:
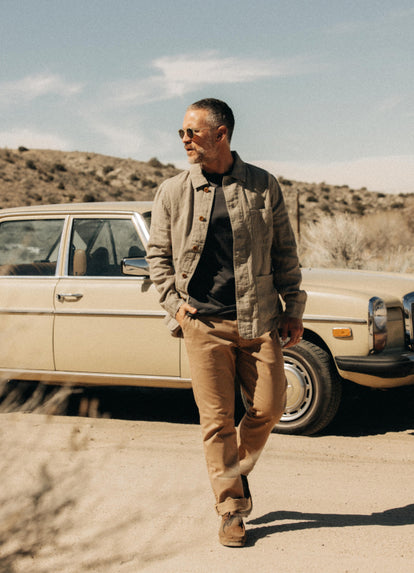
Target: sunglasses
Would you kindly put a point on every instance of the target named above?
(190, 132)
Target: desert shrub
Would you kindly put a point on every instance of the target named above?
(89, 198)
(360, 208)
(154, 162)
(396, 259)
(134, 177)
(35, 513)
(7, 156)
(30, 164)
(59, 167)
(107, 169)
(380, 241)
(326, 208)
(35, 196)
(51, 198)
(22, 148)
(334, 242)
(149, 183)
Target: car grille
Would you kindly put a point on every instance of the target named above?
(408, 301)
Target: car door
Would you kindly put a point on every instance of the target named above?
(107, 322)
(29, 248)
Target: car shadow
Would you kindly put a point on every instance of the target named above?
(365, 411)
(268, 523)
(362, 412)
(130, 403)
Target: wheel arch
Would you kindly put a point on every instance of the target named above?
(312, 336)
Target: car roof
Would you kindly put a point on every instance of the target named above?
(93, 207)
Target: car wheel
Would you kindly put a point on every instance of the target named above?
(314, 390)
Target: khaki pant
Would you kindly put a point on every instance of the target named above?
(218, 356)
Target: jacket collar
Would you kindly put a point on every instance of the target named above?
(237, 172)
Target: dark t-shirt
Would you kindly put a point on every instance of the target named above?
(212, 287)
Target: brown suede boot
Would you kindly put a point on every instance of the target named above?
(248, 496)
(232, 532)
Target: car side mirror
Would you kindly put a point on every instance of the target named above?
(134, 266)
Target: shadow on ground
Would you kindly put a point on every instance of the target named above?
(270, 523)
(363, 411)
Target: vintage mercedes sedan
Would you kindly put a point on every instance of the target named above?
(77, 307)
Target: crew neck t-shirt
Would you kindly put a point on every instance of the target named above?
(212, 287)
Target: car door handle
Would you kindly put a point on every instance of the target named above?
(64, 295)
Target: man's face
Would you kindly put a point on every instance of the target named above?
(202, 147)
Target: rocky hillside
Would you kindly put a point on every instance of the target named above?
(30, 177)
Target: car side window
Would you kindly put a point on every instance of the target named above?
(30, 246)
(98, 246)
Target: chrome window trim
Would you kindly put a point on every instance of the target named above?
(143, 230)
(40, 217)
(327, 318)
(36, 311)
(408, 304)
(126, 313)
(132, 216)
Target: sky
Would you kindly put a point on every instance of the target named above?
(322, 90)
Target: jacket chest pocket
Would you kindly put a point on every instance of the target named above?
(262, 224)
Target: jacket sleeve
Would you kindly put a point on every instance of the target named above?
(286, 269)
(159, 254)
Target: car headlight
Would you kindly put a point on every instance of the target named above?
(377, 324)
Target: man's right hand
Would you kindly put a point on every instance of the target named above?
(182, 311)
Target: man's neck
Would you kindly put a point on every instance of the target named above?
(221, 165)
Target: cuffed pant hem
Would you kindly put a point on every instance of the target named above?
(232, 505)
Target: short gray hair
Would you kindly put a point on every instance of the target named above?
(220, 113)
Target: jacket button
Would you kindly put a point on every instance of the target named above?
(201, 218)
(206, 190)
(184, 275)
(195, 248)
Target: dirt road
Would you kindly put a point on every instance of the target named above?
(124, 496)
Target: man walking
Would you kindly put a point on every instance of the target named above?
(222, 255)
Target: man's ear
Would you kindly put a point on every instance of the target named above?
(221, 132)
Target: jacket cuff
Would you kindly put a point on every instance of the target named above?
(295, 304)
(172, 305)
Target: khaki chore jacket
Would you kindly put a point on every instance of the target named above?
(266, 266)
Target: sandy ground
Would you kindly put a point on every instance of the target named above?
(108, 496)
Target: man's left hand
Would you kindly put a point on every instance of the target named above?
(292, 329)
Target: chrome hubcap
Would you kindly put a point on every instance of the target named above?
(299, 390)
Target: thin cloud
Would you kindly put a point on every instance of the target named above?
(114, 139)
(378, 22)
(389, 104)
(32, 138)
(35, 86)
(178, 75)
(391, 174)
